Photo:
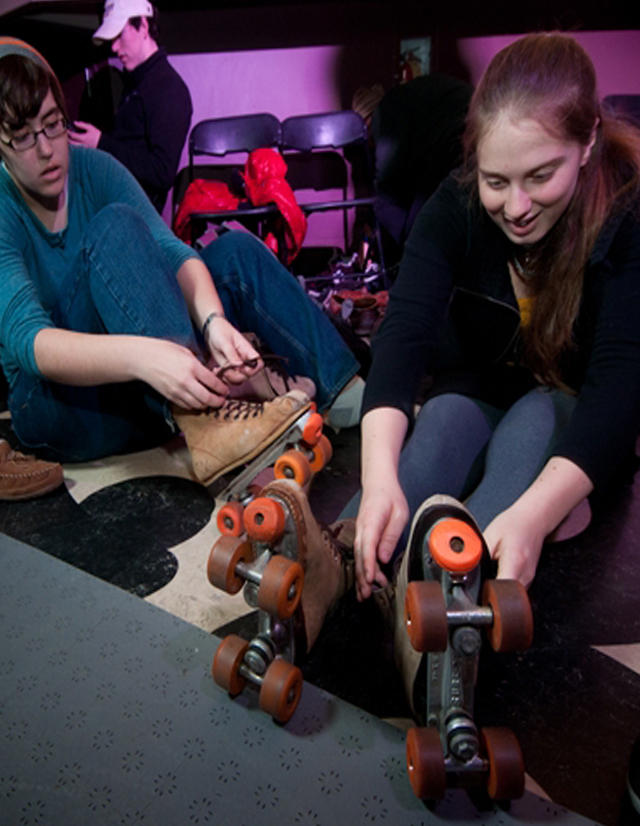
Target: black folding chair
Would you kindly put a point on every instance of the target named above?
(325, 136)
(219, 137)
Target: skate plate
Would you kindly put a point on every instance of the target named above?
(447, 604)
(262, 562)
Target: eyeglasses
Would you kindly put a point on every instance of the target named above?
(52, 130)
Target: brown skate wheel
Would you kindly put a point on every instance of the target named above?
(264, 519)
(293, 465)
(512, 628)
(281, 690)
(229, 519)
(322, 453)
(312, 430)
(226, 662)
(425, 614)
(226, 553)
(455, 546)
(425, 763)
(506, 766)
(281, 586)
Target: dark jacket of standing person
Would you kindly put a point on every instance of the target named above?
(151, 126)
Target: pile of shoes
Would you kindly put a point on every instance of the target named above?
(351, 292)
(360, 308)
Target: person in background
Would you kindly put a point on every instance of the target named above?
(416, 130)
(154, 114)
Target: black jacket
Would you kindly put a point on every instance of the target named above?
(151, 126)
(453, 314)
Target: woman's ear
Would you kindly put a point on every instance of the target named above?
(587, 150)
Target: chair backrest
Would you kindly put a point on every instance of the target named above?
(328, 129)
(222, 136)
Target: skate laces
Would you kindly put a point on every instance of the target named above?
(16, 457)
(220, 371)
(332, 533)
(272, 363)
(236, 409)
(342, 551)
(276, 364)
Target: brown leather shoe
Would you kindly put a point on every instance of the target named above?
(25, 477)
(325, 553)
(223, 438)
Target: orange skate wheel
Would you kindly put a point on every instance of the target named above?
(425, 763)
(281, 690)
(225, 555)
(264, 519)
(425, 614)
(226, 663)
(506, 766)
(512, 628)
(322, 453)
(281, 586)
(229, 519)
(455, 546)
(312, 430)
(293, 465)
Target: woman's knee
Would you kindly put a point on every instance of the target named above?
(451, 432)
(451, 417)
(232, 247)
(111, 220)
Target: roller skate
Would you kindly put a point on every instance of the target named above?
(297, 454)
(232, 444)
(449, 598)
(293, 571)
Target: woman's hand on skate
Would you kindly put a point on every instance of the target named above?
(515, 544)
(516, 536)
(234, 357)
(383, 510)
(381, 519)
(176, 373)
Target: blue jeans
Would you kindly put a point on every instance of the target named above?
(120, 283)
(478, 453)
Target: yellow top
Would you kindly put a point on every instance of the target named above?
(525, 305)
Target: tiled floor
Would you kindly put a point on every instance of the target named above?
(573, 699)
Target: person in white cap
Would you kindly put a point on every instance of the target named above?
(154, 114)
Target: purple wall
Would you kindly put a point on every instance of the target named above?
(303, 80)
(616, 56)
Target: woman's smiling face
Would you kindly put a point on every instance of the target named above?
(527, 176)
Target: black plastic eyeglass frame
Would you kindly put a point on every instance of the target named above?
(59, 124)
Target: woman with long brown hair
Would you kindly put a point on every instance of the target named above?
(519, 295)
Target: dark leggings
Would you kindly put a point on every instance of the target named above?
(478, 453)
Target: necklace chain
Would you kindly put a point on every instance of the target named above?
(521, 266)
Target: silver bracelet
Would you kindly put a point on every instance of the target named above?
(208, 321)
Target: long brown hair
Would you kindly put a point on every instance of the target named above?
(550, 77)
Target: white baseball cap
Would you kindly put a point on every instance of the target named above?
(117, 14)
